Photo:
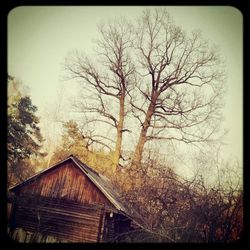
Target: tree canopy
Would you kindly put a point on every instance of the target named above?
(24, 136)
(169, 81)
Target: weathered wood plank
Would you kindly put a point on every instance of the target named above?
(63, 203)
(69, 178)
(81, 225)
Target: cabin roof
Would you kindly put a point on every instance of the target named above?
(110, 191)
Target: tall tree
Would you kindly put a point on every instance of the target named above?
(180, 82)
(24, 136)
(174, 81)
(108, 80)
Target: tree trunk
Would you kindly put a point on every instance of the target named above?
(143, 134)
(118, 144)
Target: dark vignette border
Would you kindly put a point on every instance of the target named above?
(5, 7)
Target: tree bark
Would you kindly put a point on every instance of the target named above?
(118, 144)
(143, 134)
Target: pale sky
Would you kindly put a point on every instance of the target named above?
(39, 39)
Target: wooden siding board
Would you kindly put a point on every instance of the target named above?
(71, 181)
(78, 188)
(63, 191)
(80, 227)
(100, 228)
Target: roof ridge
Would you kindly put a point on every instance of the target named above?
(86, 166)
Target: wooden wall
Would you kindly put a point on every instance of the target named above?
(62, 203)
(68, 182)
(66, 220)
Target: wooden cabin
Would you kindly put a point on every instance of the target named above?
(72, 203)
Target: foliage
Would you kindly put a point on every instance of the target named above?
(76, 142)
(24, 136)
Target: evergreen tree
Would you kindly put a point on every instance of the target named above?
(24, 136)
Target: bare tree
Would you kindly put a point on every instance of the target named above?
(179, 83)
(178, 209)
(107, 81)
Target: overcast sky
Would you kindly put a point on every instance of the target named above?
(39, 39)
